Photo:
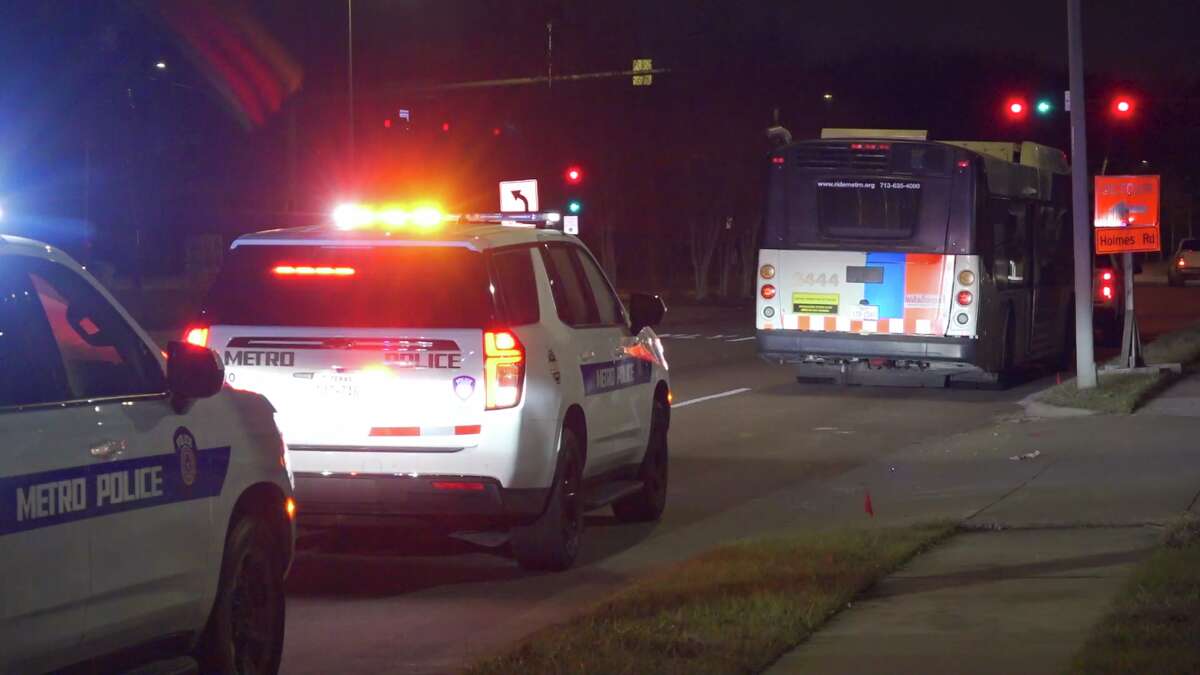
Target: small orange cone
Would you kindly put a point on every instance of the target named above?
(867, 505)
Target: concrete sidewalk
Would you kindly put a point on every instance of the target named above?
(1063, 529)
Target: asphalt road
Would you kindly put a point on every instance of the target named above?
(389, 604)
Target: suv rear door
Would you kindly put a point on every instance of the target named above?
(596, 345)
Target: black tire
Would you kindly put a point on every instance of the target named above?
(551, 543)
(1004, 370)
(244, 635)
(648, 503)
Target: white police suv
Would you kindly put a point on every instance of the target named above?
(451, 371)
(145, 512)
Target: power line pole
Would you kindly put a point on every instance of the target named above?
(1085, 358)
(350, 69)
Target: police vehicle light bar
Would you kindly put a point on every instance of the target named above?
(352, 216)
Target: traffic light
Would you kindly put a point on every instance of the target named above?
(574, 207)
(1123, 107)
(1016, 109)
(573, 175)
(1044, 107)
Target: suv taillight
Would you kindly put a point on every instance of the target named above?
(196, 335)
(503, 369)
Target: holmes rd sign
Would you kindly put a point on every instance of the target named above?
(1126, 218)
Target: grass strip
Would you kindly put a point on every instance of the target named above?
(1119, 394)
(1124, 393)
(1154, 625)
(734, 609)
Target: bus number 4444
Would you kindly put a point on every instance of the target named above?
(811, 279)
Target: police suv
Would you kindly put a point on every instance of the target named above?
(455, 371)
(145, 512)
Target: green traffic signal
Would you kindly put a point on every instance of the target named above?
(574, 206)
(1044, 107)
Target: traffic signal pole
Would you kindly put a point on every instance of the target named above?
(1085, 358)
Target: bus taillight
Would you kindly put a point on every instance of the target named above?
(767, 291)
(767, 271)
(965, 298)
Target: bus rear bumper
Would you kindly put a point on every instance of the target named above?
(799, 346)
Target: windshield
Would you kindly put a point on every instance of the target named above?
(396, 287)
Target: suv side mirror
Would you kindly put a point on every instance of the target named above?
(193, 371)
(645, 310)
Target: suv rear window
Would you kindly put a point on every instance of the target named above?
(1190, 245)
(392, 287)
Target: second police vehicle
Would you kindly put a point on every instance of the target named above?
(146, 512)
(457, 371)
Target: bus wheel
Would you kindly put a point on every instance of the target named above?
(1004, 370)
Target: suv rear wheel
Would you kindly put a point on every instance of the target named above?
(552, 541)
(245, 630)
(648, 503)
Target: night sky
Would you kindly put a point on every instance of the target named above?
(247, 127)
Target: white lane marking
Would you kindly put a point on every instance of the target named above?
(690, 336)
(731, 392)
(742, 339)
(717, 337)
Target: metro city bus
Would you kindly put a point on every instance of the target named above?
(885, 256)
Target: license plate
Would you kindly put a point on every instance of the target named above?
(337, 385)
(864, 312)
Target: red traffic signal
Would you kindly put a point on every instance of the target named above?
(1123, 107)
(573, 175)
(1015, 108)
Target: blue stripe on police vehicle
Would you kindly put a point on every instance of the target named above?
(37, 500)
(601, 378)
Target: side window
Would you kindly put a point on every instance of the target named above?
(32, 372)
(571, 296)
(101, 354)
(516, 288)
(607, 304)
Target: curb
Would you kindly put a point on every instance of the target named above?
(1037, 410)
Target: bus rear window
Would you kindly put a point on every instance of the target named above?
(868, 209)
(392, 287)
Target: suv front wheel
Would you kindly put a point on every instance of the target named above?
(552, 541)
(245, 631)
(648, 503)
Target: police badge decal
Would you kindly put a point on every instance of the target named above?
(185, 447)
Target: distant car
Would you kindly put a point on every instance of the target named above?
(1185, 264)
(458, 373)
(145, 511)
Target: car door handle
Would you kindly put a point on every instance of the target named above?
(107, 449)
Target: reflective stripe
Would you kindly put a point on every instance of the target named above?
(37, 500)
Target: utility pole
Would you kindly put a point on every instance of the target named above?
(350, 70)
(1085, 358)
